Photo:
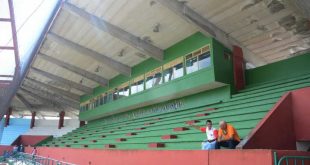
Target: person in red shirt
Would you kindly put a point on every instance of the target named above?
(227, 136)
(211, 133)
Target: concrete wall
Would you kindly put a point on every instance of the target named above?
(50, 127)
(286, 123)
(143, 157)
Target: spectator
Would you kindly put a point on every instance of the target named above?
(21, 148)
(211, 133)
(34, 151)
(15, 149)
(227, 136)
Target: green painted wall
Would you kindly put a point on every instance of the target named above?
(192, 101)
(279, 70)
(170, 89)
(198, 81)
(181, 48)
(223, 66)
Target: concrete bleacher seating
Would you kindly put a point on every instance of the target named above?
(171, 130)
(50, 127)
(11, 132)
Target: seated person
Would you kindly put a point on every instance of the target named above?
(211, 133)
(227, 136)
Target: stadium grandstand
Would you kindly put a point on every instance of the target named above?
(134, 82)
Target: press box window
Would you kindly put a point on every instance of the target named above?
(173, 69)
(191, 64)
(97, 101)
(123, 90)
(198, 60)
(137, 85)
(153, 78)
(103, 99)
(204, 59)
(110, 97)
(115, 94)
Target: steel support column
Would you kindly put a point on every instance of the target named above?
(82, 123)
(61, 119)
(7, 118)
(33, 118)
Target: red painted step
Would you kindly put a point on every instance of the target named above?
(211, 109)
(156, 145)
(202, 114)
(109, 146)
(131, 134)
(165, 137)
(85, 146)
(120, 139)
(180, 129)
(192, 121)
(141, 128)
(148, 123)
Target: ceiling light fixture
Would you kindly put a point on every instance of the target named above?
(140, 55)
(97, 69)
(152, 3)
(121, 53)
(156, 28)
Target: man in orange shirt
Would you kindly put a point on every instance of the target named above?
(227, 136)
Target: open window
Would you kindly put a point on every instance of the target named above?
(173, 69)
(123, 90)
(198, 60)
(137, 84)
(110, 96)
(103, 99)
(153, 78)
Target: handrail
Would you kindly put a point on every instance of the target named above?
(287, 159)
(38, 160)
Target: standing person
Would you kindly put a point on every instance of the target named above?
(211, 133)
(15, 149)
(227, 136)
(21, 148)
(34, 151)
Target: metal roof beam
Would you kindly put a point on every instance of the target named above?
(208, 28)
(117, 32)
(23, 100)
(44, 101)
(55, 90)
(38, 97)
(304, 7)
(70, 83)
(117, 66)
(52, 96)
(91, 76)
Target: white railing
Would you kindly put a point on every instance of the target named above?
(27, 159)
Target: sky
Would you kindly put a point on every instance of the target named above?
(30, 17)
